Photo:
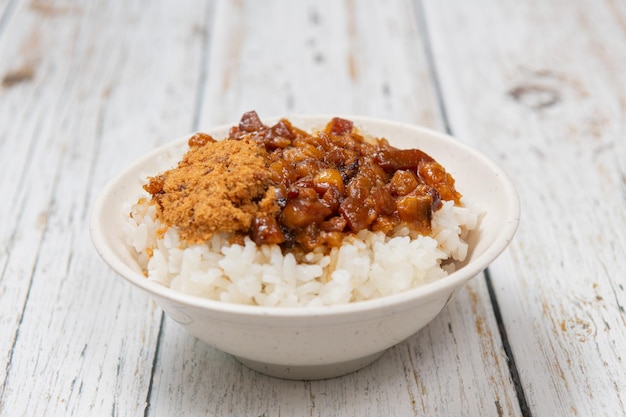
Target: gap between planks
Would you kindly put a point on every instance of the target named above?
(514, 374)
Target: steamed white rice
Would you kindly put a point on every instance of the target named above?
(368, 265)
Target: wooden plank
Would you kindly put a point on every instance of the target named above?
(547, 101)
(6, 9)
(283, 58)
(23, 216)
(320, 58)
(86, 341)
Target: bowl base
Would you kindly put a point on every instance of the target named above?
(310, 372)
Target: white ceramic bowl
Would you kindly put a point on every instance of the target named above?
(321, 342)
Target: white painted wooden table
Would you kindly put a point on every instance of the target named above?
(540, 87)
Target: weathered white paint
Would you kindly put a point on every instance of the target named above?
(85, 342)
(90, 86)
(430, 373)
(542, 91)
(323, 57)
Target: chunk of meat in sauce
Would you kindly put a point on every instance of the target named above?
(391, 159)
(434, 175)
(303, 210)
(338, 126)
(199, 139)
(335, 182)
(265, 230)
(358, 184)
(250, 122)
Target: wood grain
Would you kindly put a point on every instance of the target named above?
(545, 96)
(318, 57)
(438, 371)
(74, 339)
(87, 87)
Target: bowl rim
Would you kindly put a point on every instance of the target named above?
(410, 296)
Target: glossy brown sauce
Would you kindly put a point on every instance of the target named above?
(281, 185)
